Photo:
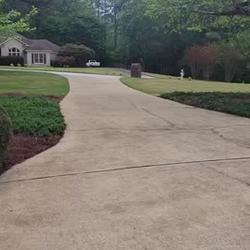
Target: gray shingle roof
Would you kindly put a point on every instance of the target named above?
(40, 44)
(36, 44)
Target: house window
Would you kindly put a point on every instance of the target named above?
(38, 58)
(14, 52)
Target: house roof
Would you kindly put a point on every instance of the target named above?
(35, 44)
(41, 44)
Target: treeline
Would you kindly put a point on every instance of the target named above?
(63, 22)
(210, 39)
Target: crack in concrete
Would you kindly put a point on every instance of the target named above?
(171, 124)
(209, 129)
(234, 141)
(133, 168)
(229, 176)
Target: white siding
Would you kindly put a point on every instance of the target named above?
(53, 56)
(29, 58)
(12, 44)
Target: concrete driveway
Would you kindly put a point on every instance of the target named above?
(132, 172)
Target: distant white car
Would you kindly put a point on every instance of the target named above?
(93, 63)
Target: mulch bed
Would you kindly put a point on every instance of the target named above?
(23, 147)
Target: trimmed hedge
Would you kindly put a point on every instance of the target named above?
(8, 60)
(5, 134)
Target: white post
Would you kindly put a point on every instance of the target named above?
(182, 74)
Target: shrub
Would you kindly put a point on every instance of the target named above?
(11, 60)
(81, 53)
(5, 134)
(201, 60)
(64, 61)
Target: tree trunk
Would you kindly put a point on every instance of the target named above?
(115, 28)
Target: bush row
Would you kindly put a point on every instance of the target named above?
(9, 60)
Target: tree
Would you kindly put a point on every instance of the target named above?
(13, 21)
(155, 32)
(64, 21)
(232, 60)
(200, 15)
(202, 60)
(80, 53)
(236, 8)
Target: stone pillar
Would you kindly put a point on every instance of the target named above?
(136, 70)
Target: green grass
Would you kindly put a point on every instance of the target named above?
(34, 116)
(232, 98)
(23, 95)
(98, 70)
(167, 84)
(232, 103)
(33, 83)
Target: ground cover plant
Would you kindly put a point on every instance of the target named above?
(36, 116)
(233, 98)
(31, 100)
(232, 103)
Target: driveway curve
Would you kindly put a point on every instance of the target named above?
(133, 171)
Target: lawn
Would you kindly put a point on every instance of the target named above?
(24, 95)
(167, 84)
(32, 102)
(33, 83)
(100, 70)
(232, 98)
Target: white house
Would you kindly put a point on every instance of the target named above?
(35, 52)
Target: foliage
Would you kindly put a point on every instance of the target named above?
(232, 60)
(232, 103)
(33, 83)
(13, 21)
(5, 134)
(80, 53)
(34, 115)
(64, 21)
(202, 59)
(197, 15)
(155, 33)
(64, 61)
(158, 32)
(8, 60)
(241, 41)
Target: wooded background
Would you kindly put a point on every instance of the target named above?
(210, 39)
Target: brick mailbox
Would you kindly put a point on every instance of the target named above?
(136, 70)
